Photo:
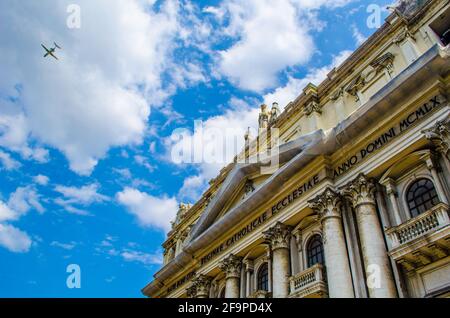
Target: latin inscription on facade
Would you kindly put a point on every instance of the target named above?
(257, 222)
(389, 135)
(181, 282)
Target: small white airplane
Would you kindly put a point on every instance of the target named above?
(52, 50)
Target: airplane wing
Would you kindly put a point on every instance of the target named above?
(45, 48)
(53, 55)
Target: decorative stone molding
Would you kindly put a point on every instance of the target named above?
(360, 191)
(231, 266)
(248, 265)
(278, 236)
(274, 114)
(191, 292)
(384, 62)
(403, 36)
(248, 188)
(337, 94)
(264, 115)
(327, 205)
(182, 211)
(407, 8)
(355, 86)
(202, 284)
(439, 135)
(311, 108)
(260, 294)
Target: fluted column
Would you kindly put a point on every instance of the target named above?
(248, 279)
(392, 194)
(328, 207)
(380, 282)
(437, 180)
(201, 286)
(278, 238)
(231, 266)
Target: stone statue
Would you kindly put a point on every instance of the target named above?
(274, 113)
(247, 135)
(183, 208)
(407, 8)
(248, 188)
(264, 117)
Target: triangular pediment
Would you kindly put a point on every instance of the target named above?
(231, 194)
(244, 189)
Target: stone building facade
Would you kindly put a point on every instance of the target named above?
(359, 205)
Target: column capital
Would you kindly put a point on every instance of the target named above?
(248, 263)
(231, 266)
(439, 135)
(327, 205)
(191, 292)
(390, 186)
(278, 236)
(201, 285)
(360, 191)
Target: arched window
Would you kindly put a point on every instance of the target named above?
(421, 197)
(315, 251)
(263, 277)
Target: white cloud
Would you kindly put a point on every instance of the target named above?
(149, 210)
(268, 36)
(294, 87)
(229, 128)
(271, 38)
(20, 203)
(358, 36)
(65, 246)
(14, 132)
(144, 162)
(8, 162)
(98, 95)
(141, 257)
(6, 213)
(24, 199)
(315, 4)
(82, 196)
(41, 179)
(14, 239)
(193, 187)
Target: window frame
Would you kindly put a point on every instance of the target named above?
(415, 211)
(261, 284)
(315, 238)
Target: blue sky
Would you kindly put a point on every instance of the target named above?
(86, 172)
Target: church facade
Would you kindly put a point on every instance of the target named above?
(358, 205)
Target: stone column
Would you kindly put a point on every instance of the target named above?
(231, 266)
(392, 194)
(328, 207)
(248, 280)
(278, 238)
(380, 282)
(437, 180)
(439, 135)
(201, 286)
(299, 251)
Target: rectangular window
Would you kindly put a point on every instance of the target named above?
(441, 27)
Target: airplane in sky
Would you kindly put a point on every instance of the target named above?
(51, 51)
